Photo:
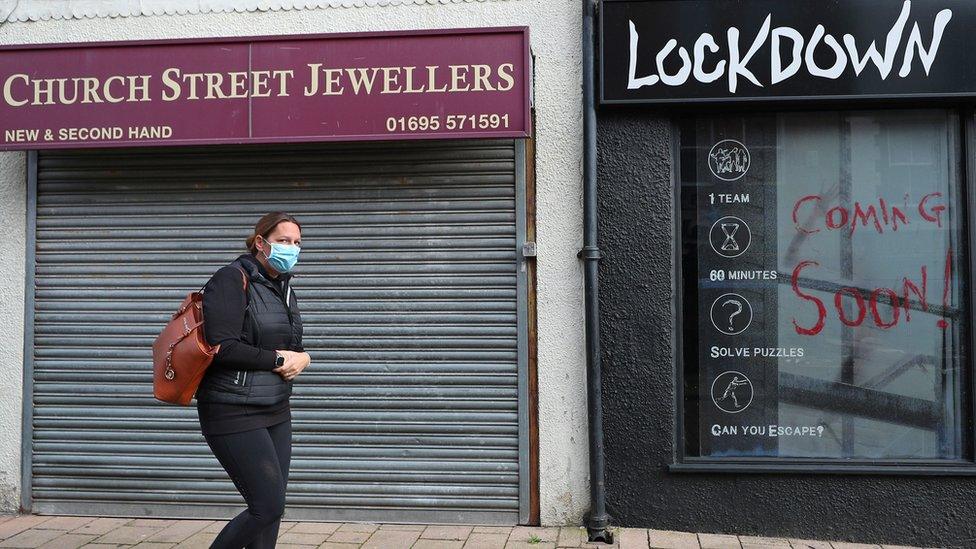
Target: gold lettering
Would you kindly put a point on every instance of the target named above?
(409, 79)
(332, 82)
(432, 79)
(214, 81)
(481, 74)
(169, 76)
(141, 87)
(107, 89)
(91, 90)
(193, 78)
(63, 96)
(507, 76)
(259, 84)
(238, 85)
(390, 75)
(283, 77)
(313, 79)
(8, 84)
(457, 77)
(43, 92)
(362, 81)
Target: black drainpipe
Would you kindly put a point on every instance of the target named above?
(597, 521)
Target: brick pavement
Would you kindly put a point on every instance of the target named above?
(70, 532)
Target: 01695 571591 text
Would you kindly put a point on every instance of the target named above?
(450, 122)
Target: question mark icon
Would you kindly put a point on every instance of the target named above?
(725, 314)
(735, 303)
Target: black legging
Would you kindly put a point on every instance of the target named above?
(257, 462)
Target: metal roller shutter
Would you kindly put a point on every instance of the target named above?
(412, 301)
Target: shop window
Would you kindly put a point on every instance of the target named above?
(824, 271)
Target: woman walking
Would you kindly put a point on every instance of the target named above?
(250, 310)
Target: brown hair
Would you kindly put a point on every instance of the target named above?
(266, 226)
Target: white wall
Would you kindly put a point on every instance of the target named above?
(555, 37)
(13, 185)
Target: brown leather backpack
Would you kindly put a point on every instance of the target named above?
(181, 353)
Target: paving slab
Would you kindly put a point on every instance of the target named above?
(669, 539)
(507, 530)
(100, 526)
(847, 545)
(392, 539)
(810, 544)
(302, 538)
(528, 533)
(407, 527)
(179, 531)
(760, 542)
(438, 544)
(630, 538)
(368, 527)
(447, 532)
(128, 535)
(65, 523)
(287, 525)
(158, 523)
(486, 541)
(218, 525)
(719, 541)
(33, 537)
(20, 523)
(200, 540)
(68, 541)
(345, 536)
(527, 545)
(574, 536)
(314, 528)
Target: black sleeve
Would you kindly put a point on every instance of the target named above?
(223, 323)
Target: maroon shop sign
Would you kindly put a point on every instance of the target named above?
(338, 87)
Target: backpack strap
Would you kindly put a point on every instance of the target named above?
(244, 276)
(247, 301)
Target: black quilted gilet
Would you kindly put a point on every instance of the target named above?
(268, 324)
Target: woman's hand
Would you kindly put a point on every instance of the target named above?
(294, 364)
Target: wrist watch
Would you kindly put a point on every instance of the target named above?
(279, 359)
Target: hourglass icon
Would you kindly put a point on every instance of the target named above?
(730, 236)
(730, 245)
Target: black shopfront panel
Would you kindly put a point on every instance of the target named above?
(785, 283)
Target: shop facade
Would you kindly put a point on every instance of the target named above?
(432, 174)
(785, 200)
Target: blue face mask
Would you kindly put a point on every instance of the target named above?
(283, 257)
